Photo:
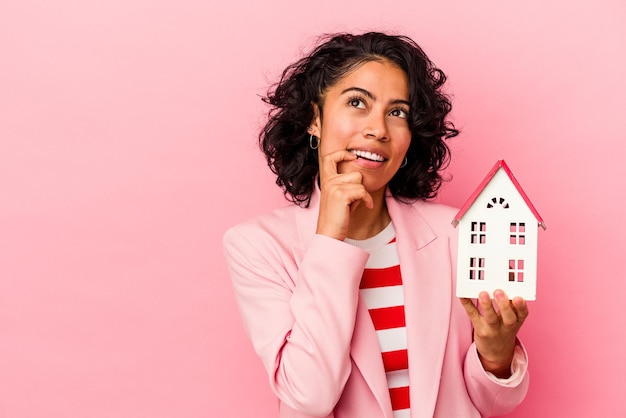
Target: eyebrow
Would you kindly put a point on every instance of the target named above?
(371, 96)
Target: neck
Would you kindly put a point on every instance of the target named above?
(366, 223)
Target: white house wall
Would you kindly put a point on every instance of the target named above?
(497, 249)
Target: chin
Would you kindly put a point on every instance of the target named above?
(375, 188)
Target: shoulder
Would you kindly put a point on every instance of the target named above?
(277, 225)
(422, 221)
(437, 215)
(436, 212)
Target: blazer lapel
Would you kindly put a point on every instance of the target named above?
(365, 353)
(427, 291)
(426, 274)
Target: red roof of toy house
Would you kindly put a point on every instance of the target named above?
(500, 164)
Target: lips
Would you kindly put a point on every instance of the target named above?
(371, 156)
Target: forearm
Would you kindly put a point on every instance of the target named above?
(317, 349)
(499, 365)
(301, 326)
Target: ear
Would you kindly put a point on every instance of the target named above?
(315, 127)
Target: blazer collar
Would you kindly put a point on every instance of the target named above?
(411, 227)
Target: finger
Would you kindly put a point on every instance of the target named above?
(470, 309)
(348, 194)
(368, 200)
(521, 308)
(505, 307)
(354, 205)
(330, 162)
(355, 179)
(486, 306)
(361, 195)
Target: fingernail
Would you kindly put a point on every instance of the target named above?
(498, 294)
(484, 297)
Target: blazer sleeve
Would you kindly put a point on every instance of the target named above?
(493, 396)
(300, 319)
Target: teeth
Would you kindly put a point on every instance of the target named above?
(368, 155)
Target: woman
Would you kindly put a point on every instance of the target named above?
(347, 295)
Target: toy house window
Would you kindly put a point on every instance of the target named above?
(516, 271)
(477, 269)
(497, 201)
(517, 233)
(478, 233)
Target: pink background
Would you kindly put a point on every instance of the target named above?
(128, 145)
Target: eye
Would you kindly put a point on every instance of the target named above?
(400, 113)
(356, 102)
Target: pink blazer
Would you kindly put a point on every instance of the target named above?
(299, 299)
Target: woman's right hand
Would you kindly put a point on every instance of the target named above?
(341, 194)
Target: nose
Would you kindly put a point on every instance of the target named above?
(376, 127)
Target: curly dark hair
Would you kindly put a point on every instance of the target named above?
(284, 138)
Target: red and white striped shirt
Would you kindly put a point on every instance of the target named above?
(383, 293)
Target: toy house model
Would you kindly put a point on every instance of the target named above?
(498, 232)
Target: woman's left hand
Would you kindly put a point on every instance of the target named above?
(495, 331)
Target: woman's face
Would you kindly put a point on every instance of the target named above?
(366, 113)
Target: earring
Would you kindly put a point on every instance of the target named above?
(405, 162)
(314, 144)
